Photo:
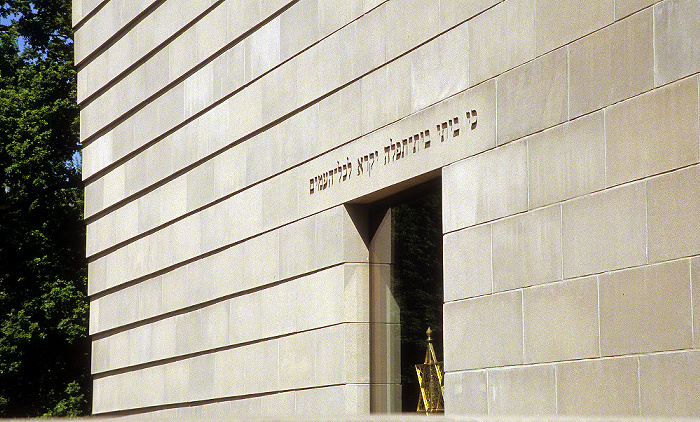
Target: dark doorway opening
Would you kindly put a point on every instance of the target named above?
(417, 284)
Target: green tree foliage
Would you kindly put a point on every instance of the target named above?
(44, 348)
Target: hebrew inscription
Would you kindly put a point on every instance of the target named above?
(394, 152)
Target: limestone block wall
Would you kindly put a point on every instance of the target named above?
(571, 281)
(233, 147)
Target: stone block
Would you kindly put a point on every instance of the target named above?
(199, 90)
(673, 201)
(245, 318)
(368, 5)
(320, 401)
(605, 231)
(263, 373)
(329, 347)
(440, 68)
(627, 7)
(333, 15)
(465, 393)
(479, 189)
(598, 387)
(296, 361)
(385, 353)
(245, 111)
(298, 28)
(181, 59)
(409, 24)
(323, 299)
(454, 12)
(263, 155)
(357, 399)
(646, 309)
(296, 247)
(200, 183)
(230, 171)
(163, 340)
(561, 321)
(612, 64)
(278, 304)
(522, 391)
(263, 49)
(329, 237)
(356, 293)
(567, 160)
(527, 249)
(279, 202)
(371, 41)
(467, 263)
(247, 406)
(77, 13)
(295, 146)
(229, 69)
(228, 362)
(482, 136)
(483, 332)
(139, 344)
(176, 376)
(695, 281)
(669, 386)
(201, 383)
(280, 90)
(501, 38)
(355, 248)
(559, 22)
(261, 259)
(278, 404)
(382, 105)
(533, 97)
(212, 31)
(677, 39)
(338, 115)
(356, 354)
(638, 146)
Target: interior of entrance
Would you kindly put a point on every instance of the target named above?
(405, 245)
(416, 227)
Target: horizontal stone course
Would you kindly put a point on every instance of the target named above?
(676, 39)
(605, 231)
(598, 387)
(561, 321)
(527, 249)
(673, 201)
(253, 219)
(567, 160)
(303, 365)
(246, 266)
(612, 64)
(646, 309)
(559, 22)
(483, 332)
(528, 390)
(501, 38)
(106, 22)
(533, 97)
(633, 147)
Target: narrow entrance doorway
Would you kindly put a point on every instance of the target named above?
(407, 291)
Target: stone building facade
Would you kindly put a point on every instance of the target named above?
(235, 152)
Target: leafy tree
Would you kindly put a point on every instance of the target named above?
(44, 348)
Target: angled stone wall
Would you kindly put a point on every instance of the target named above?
(232, 150)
